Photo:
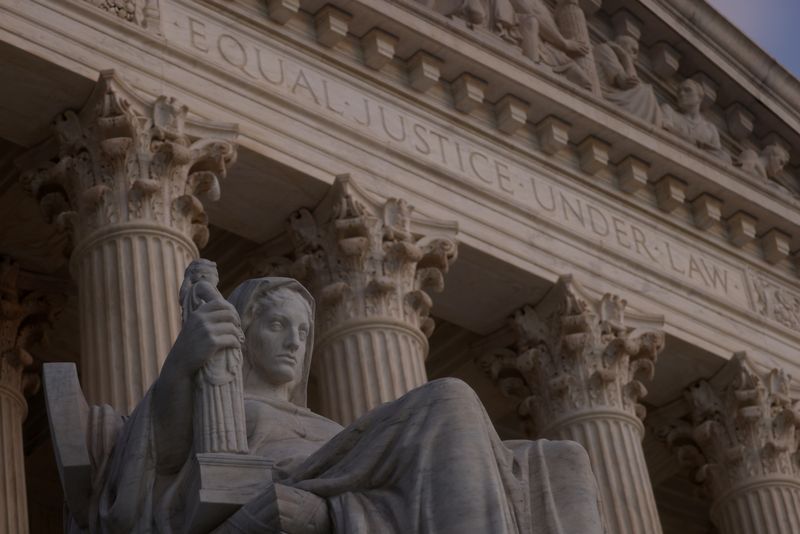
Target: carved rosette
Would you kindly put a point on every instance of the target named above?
(573, 355)
(362, 260)
(121, 160)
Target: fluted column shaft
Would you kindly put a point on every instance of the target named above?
(128, 279)
(363, 365)
(613, 440)
(13, 500)
(24, 317)
(768, 506)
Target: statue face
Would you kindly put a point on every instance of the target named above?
(689, 96)
(276, 339)
(630, 45)
(776, 160)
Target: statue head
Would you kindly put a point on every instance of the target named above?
(690, 96)
(629, 45)
(775, 159)
(277, 318)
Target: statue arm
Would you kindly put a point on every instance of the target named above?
(213, 327)
(549, 31)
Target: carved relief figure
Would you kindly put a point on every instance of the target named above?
(429, 462)
(543, 41)
(768, 165)
(619, 80)
(688, 123)
(531, 25)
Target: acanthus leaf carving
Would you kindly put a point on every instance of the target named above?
(741, 428)
(574, 353)
(363, 259)
(25, 318)
(122, 160)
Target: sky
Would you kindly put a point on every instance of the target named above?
(773, 24)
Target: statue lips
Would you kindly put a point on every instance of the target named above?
(286, 357)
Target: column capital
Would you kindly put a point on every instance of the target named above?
(577, 355)
(365, 259)
(24, 319)
(742, 428)
(126, 159)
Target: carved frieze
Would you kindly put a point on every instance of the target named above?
(144, 13)
(122, 160)
(619, 79)
(768, 165)
(573, 354)
(774, 301)
(688, 122)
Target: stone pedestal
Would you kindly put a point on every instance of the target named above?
(23, 318)
(741, 443)
(124, 184)
(577, 370)
(370, 266)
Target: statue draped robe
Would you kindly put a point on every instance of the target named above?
(429, 463)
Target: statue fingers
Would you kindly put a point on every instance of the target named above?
(222, 316)
(227, 341)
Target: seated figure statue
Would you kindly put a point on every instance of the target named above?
(619, 80)
(429, 462)
(688, 122)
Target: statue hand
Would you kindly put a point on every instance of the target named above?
(575, 48)
(302, 512)
(212, 327)
(629, 82)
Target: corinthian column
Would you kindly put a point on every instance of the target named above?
(22, 321)
(125, 185)
(743, 443)
(370, 266)
(577, 370)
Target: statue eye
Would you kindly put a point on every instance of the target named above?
(276, 326)
(303, 334)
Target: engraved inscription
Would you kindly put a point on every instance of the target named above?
(387, 124)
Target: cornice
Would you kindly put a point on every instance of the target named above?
(770, 81)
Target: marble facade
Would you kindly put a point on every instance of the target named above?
(587, 210)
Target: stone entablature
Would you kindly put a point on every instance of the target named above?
(717, 190)
(472, 162)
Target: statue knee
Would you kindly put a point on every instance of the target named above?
(451, 389)
(569, 456)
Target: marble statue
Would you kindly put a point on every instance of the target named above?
(619, 80)
(429, 462)
(531, 25)
(688, 123)
(219, 421)
(768, 165)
